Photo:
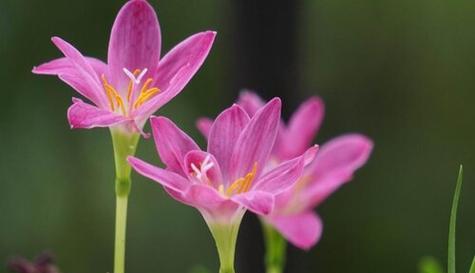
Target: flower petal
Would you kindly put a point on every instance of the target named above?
(250, 101)
(286, 174)
(211, 202)
(83, 115)
(302, 127)
(302, 230)
(223, 136)
(134, 43)
(62, 66)
(256, 141)
(258, 202)
(177, 68)
(172, 143)
(204, 126)
(84, 71)
(166, 178)
(335, 164)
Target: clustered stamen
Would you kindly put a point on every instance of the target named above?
(146, 93)
(242, 184)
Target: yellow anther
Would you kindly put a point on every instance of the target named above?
(145, 96)
(145, 85)
(242, 184)
(131, 84)
(120, 103)
(113, 94)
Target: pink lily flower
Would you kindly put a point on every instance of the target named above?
(228, 178)
(334, 165)
(135, 82)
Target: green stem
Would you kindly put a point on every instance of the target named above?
(120, 230)
(225, 236)
(275, 249)
(124, 144)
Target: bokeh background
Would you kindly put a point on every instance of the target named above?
(400, 71)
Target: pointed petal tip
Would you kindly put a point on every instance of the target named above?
(276, 101)
(131, 160)
(159, 120)
(310, 154)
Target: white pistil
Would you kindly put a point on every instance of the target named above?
(131, 76)
(196, 170)
(205, 166)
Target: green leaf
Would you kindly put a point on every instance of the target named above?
(452, 225)
(430, 265)
(472, 268)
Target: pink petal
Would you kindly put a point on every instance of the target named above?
(211, 202)
(134, 43)
(286, 174)
(250, 101)
(302, 230)
(84, 72)
(177, 68)
(303, 127)
(83, 115)
(204, 126)
(197, 157)
(168, 179)
(172, 143)
(63, 66)
(335, 164)
(224, 134)
(259, 202)
(255, 142)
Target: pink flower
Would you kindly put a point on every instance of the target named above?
(135, 82)
(229, 177)
(334, 165)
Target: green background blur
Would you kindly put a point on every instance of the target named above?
(400, 71)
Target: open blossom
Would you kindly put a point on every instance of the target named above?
(228, 178)
(334, 165)
(135, 82)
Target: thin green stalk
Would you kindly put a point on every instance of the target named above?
(225, 236)
(453, 221)
(124, 144)
(120, 230)
(276, 247)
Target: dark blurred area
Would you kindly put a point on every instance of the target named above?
(401, 72)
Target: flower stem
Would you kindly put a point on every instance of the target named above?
(225, 236)
(120, 230)
(124, 144)
(275, 249)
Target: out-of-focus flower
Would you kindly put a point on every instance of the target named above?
(135, 82)
(44, 263)
(334, 165)
(232, 176)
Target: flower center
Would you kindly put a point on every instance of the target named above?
(201, 172)
(146, 92)
(241, 185)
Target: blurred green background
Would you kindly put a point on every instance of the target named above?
(400, 71)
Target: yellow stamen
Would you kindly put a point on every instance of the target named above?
(108, 92)
(121, 104)
(131, 84)
(113, 94)
(145, 85)
(145, 96)
(242, 184)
